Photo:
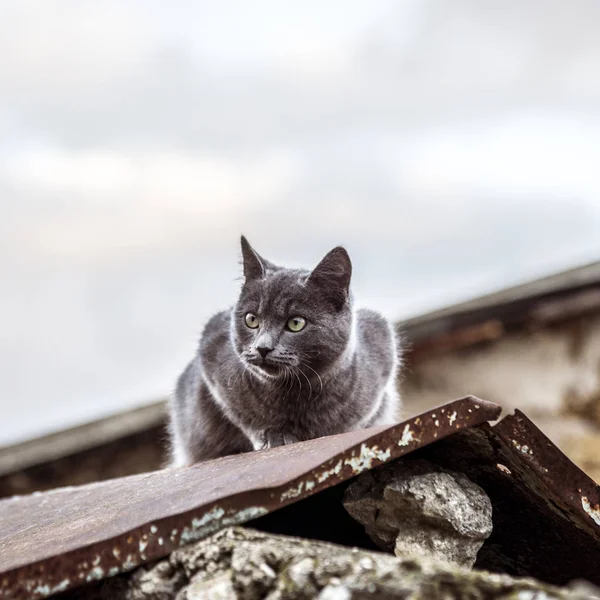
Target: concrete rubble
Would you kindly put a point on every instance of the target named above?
(415, 507)
(243, 564)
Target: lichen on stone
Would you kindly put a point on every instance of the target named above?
(243, 564)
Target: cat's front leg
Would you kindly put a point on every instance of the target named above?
(272, 439)
(290, 438)
(258, 440)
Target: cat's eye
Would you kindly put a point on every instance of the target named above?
(296, 324)
(251, 320)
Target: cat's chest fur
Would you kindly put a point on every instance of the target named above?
(302, 404)
(291, 402)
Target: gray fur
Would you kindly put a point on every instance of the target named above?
(337, 374)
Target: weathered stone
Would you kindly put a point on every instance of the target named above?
(415, 507)
(585, 589)
(242, 564)
(218, 587)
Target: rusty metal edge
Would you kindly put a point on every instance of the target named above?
(155, 540)
(579, 277)
(576, 492)
(552, 300)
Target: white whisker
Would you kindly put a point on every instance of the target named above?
(318, 377)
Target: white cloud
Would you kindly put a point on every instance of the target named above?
(532, 157)
(102, 202)
(69, 46)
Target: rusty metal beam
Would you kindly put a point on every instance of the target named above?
(58, 540)
(535, 304)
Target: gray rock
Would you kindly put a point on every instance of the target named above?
(218, 587)
(585, 589)
(412, 507)
(242, 564)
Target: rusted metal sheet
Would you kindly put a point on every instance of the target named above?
(57, 540)
(546, 511)
(564, 481)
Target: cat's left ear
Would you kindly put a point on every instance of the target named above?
(255, 267)
(333, 275)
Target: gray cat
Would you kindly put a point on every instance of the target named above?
(292, 360)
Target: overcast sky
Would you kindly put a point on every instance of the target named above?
(451, 145)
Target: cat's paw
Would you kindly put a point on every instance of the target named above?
(273, 439)
(264, 440)
(290, 438)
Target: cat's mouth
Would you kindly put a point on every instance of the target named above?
(270, 366)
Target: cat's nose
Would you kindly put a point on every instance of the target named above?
(264, 350)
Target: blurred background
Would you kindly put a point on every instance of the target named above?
(452, 146)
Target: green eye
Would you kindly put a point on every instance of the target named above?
(251, 320)
(296, 324)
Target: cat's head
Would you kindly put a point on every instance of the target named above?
(290, 319)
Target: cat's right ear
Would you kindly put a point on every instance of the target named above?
(333, 275)
(255, 266)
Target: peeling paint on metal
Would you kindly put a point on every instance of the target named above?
(96, 573)
(324, 475)
(592, 510)
(46, 590)
(366, 457)
(129, 563)
(197, 526)
(358, 464)
(523, 448)
(293, 492)
(173, 535)
(407, 436)
(216, 519)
